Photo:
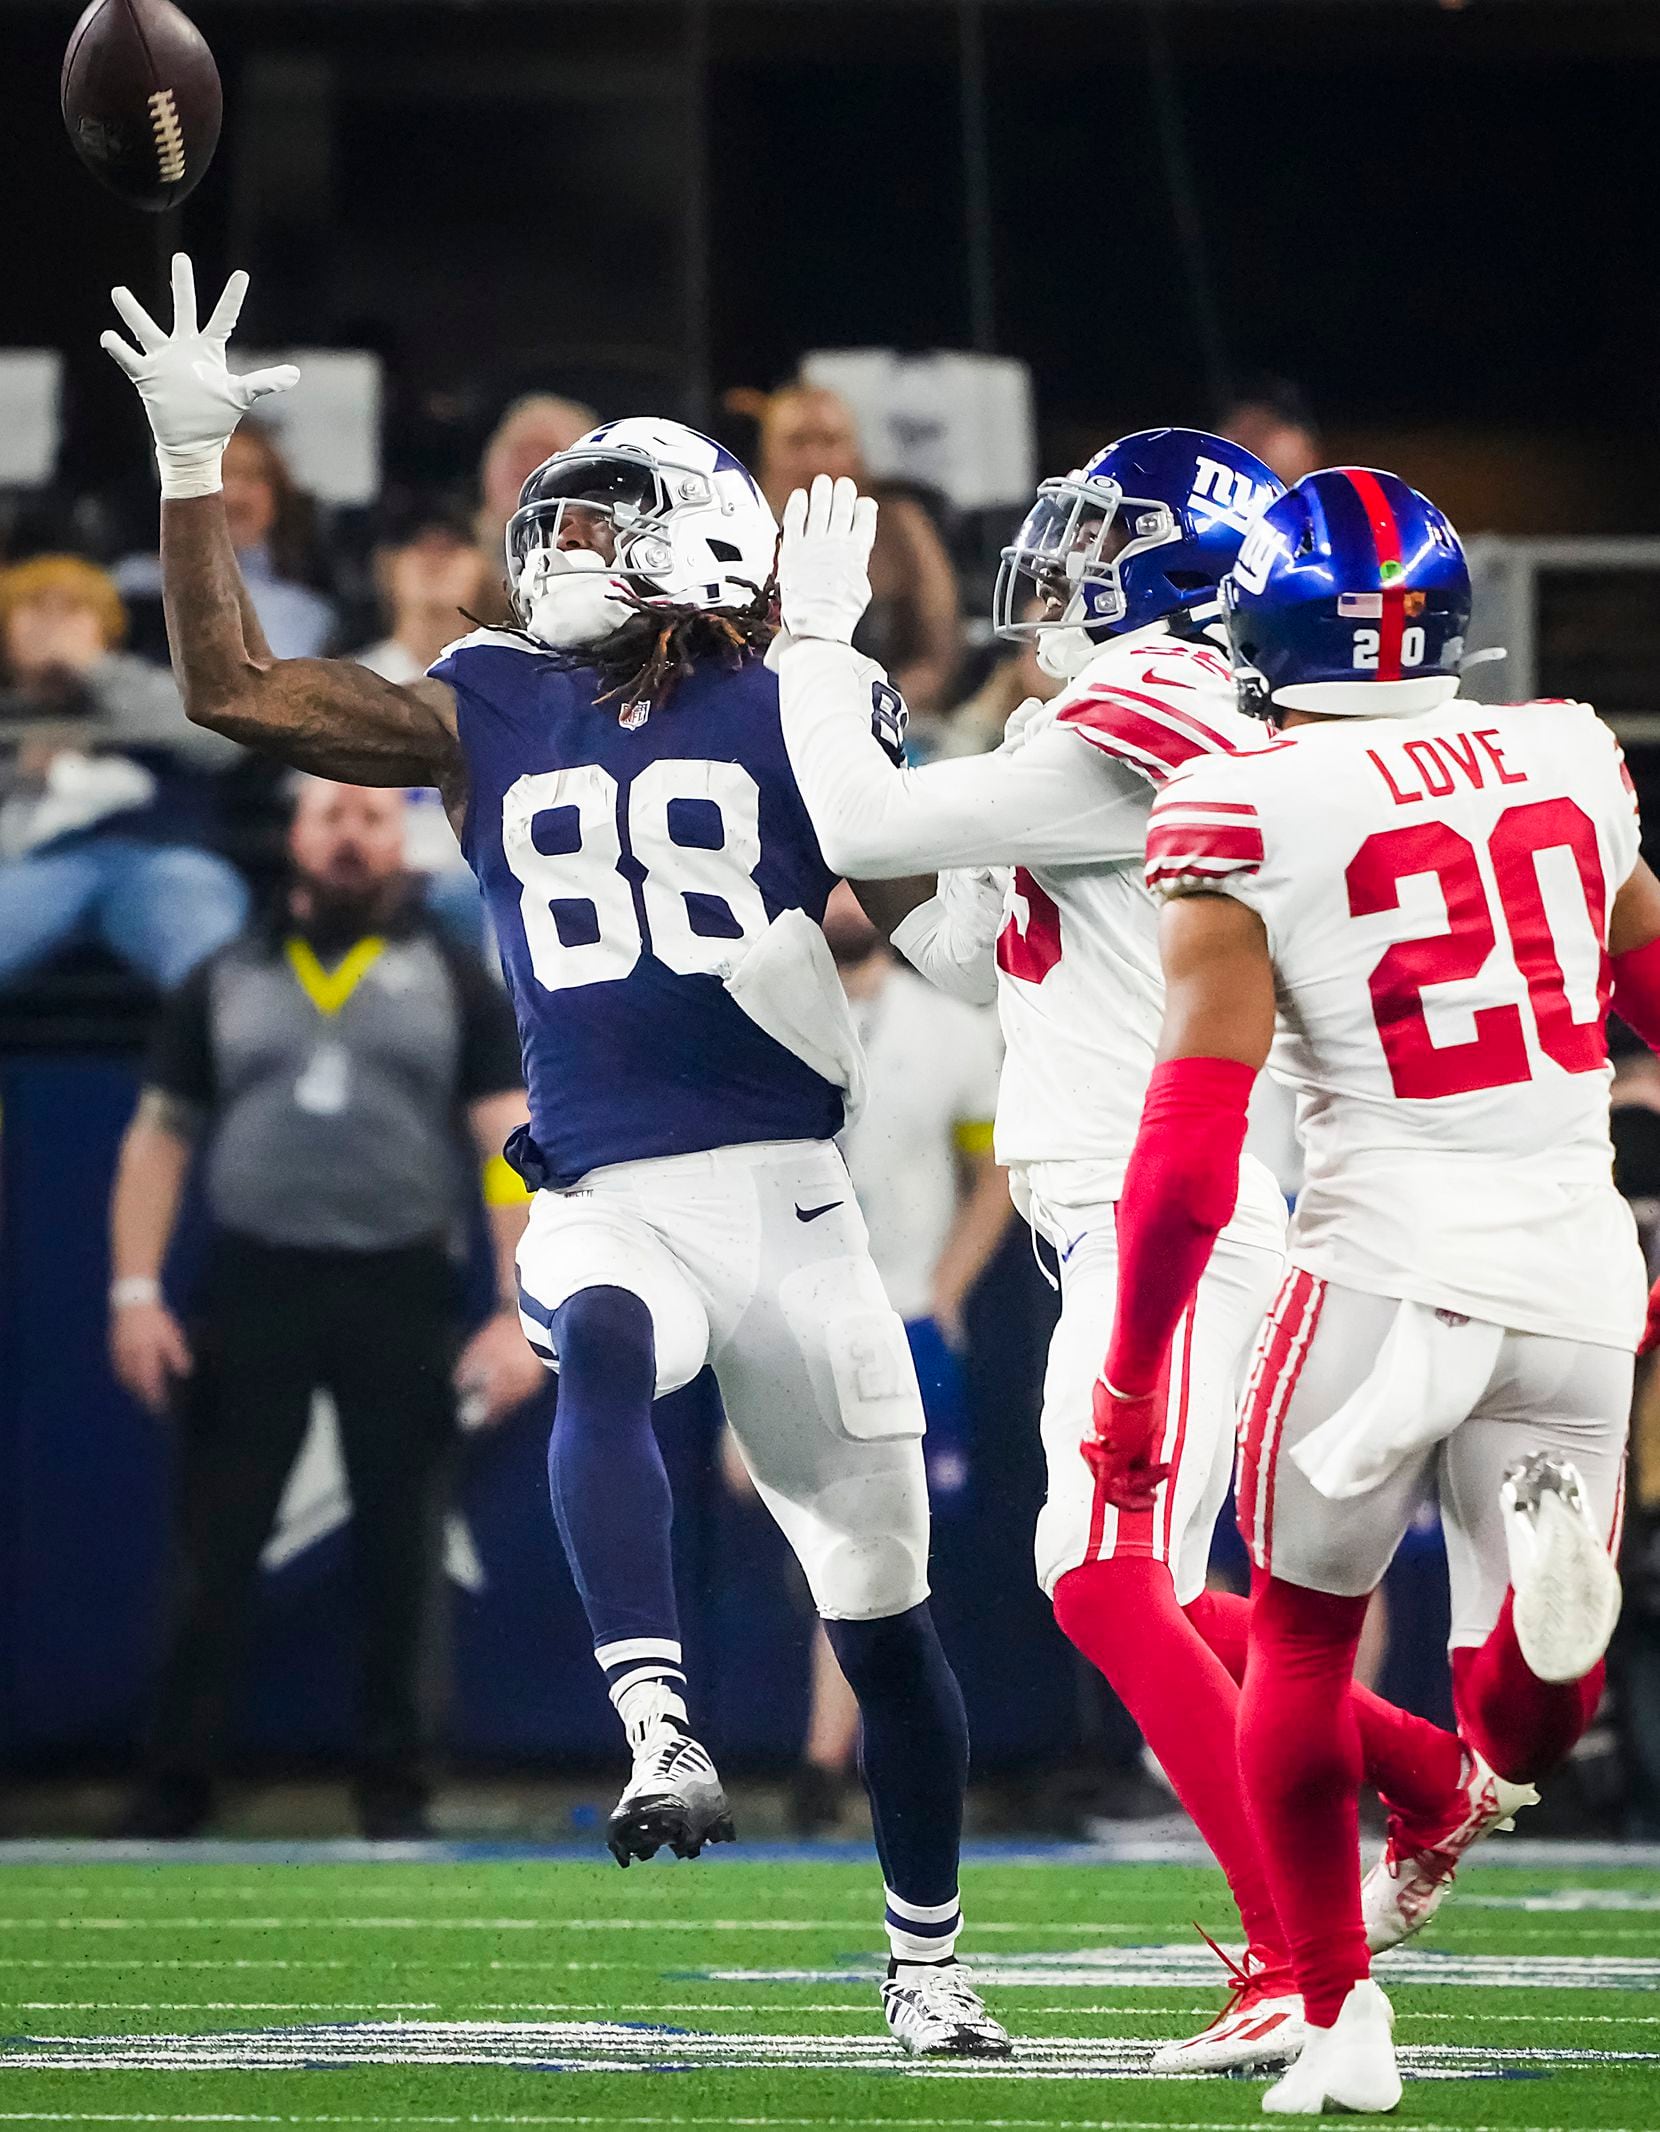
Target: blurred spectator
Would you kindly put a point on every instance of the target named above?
(321, 1063)
(1273, 419)
(913, 622)
(271, 532)
(531, 430)
(102, 793)
(430, 579)
(937, 1207)
(976, 726)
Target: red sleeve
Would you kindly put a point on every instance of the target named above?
(1179, 1193)
(1636, 998)
(1151, 735)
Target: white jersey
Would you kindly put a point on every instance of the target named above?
(1436, 893)
(1079, 994)
(1064, 803)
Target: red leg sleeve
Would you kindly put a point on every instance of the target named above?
(1178, 1195)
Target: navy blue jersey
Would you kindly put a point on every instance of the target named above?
(622, 867)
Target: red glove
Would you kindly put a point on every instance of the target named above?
(1651, 1331)
(1124, 1446)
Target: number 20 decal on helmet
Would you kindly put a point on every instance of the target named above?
(1350, 598)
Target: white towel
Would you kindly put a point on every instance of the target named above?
(1432, 1368)
(786, 983)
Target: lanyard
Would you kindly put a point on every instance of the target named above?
(329, 990)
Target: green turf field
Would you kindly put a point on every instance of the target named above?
(538, 1994)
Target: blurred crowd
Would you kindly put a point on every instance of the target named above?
(128, 837)
(158, 875)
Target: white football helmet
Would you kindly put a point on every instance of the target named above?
(690, 525)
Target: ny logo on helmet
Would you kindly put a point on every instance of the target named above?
(1258, 552)
(1221, 493)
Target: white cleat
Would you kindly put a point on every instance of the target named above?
(1405, 1888)
(673, 1795)
(1349, 2066)
(1260, 2027)
(934, 2011)
(1567, 1590)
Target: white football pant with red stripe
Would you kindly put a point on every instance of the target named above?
(1212, 1353)
(1320, 1344)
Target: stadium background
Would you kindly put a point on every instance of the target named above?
(1432, 218)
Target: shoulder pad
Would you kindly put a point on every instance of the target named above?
(1203, 831)
(1155, 702)
(487, 640)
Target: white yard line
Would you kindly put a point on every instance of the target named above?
(859, 1927)
(335, 2007)
(857, 2009)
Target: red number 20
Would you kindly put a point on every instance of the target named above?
(1496, 1056)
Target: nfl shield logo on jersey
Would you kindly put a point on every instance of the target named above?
(634, 715)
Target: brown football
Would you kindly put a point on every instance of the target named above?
(141, 99)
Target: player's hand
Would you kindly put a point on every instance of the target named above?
(1651, 1330)
(1017, 727)
(973, 897)
(824, 560)
(189, 394)
(1120, 1452)
(498, 1369)
(149, 1353)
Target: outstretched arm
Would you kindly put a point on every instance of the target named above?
(331, 716)
(1051, 802)
(325, 715)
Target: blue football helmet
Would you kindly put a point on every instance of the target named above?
(1146, 529)
(1351, 596)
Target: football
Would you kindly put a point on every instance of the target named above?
(141, 100)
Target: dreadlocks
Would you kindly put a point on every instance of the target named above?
(644, 657)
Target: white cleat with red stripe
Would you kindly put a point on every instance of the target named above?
(1406, 1887)
(1260, 2027)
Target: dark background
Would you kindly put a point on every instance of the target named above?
(1440, 220)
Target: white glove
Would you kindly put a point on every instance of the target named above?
(191, 398)
(973, 897)
(823, 560)
(1018, 730)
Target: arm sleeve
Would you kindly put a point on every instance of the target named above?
(1636, 998)
(180, 1059)
(952, 938)
(491, 1064)
(1051, 802)
(1179, 1190)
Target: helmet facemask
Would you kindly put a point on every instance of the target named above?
(622, 506)
(1070, 551)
